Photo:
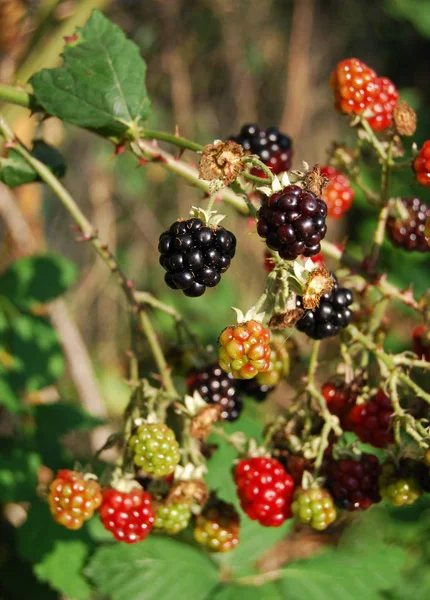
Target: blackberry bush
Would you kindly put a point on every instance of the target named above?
(195, 255)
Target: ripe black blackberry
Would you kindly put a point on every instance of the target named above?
(273, 148)
(330, 316)
(194, 255)
(354, 483)
(413, 233)
(216, 386)
(255, 390)
(293, 222)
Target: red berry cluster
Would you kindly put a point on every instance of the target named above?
(422, 164)
(73, 499)
(129, 516)
(371, 422)
(338, 194)
(265, 490)
(244, 349)
(358, 90)
(339, 401)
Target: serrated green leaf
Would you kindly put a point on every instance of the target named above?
(18, 472)
(159, 567)
(101, 83)
(15, 170)
(36, 280)
(61, 568)
(38, 360)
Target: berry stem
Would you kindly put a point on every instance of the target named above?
(171, 138)
(17, 96)
(232, 440)
(257, 163)
(89, 234)
(373, 139)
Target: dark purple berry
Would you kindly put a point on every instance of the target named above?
(217, 387)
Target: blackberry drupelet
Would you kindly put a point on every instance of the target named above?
(273, 148)
(413, 233)
(330, 316)
(216, 386)
(293, 222)
(194, 255)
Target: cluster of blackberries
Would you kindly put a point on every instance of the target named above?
(414, 232)
(293, 222)
(194, 255)
(330, 316)
(274, 149)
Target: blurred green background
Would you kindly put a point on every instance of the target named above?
(213, 65)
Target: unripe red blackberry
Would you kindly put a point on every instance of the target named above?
(265, 490)
(331, 315)
(354, 483)
(422, 164)
(338, 194)
(73, 499)
(155, 449)
(372, 421)
(399, 484)
(217, 528)
(172, 518)
(339, 401)
(244, 349)
(421, 342)
(384, 105)
(293, 222)
(216, 386)
(128, 515)
(314, 507)
(195, 255)
(273, 148)
(355, 86)
(414, 232)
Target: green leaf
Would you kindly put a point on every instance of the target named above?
(18, 472)
(60, 418)
(62, 567)
(101, 83)
(38, 360)
(8, 398)
(57, 554)
(269, 591)
(36, 280)
(15, 170)
(159, 567)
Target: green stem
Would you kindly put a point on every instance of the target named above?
(102, 250)
(171, 138)
(17, 96)
(313, 361)
(258, 164)
(373, 139)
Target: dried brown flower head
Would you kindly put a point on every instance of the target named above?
(314, 181)
(221, 161)
(201, 424)
(405, 119)
(287, 319)
(189, 492)
(319, 282)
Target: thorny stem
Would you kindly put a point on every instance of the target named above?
(390, 362)
(89, 234)
(330, 422)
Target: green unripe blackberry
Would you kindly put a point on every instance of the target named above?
(172, 518)
(399, 485)
(217, 528)
(314, 507)
(155, 449)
